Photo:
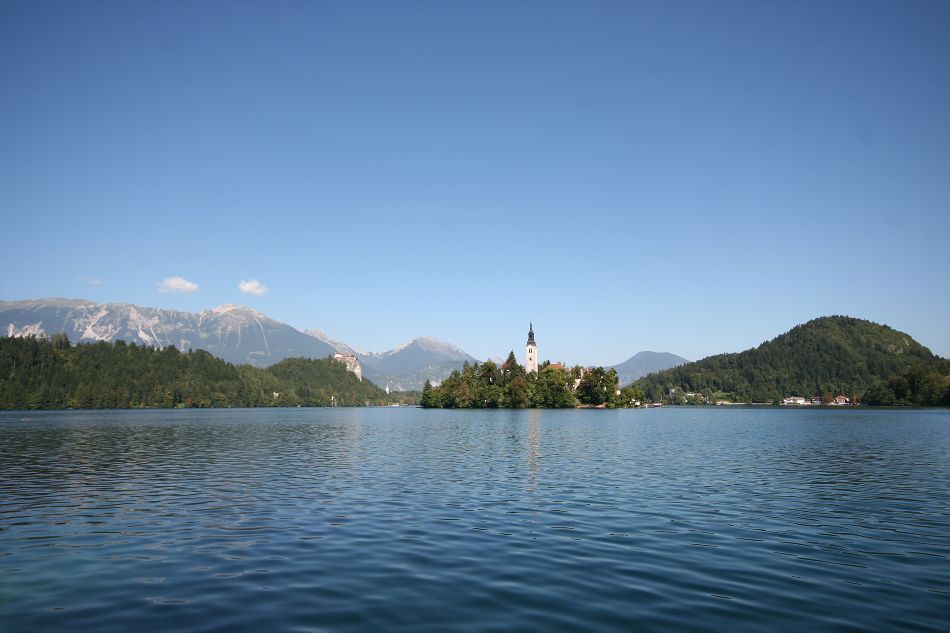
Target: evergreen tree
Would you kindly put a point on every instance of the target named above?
(428, 400)
(510, 369)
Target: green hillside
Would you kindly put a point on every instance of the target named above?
(52, 374)
(831, 355)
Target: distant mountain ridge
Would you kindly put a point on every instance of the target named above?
(835, 355)
(339, 346)
(233, 333)
(407, 366)
(643, 363)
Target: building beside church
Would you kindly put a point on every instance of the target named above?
(531, 352)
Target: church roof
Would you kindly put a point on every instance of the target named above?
(531, 335)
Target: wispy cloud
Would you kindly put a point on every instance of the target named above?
(177, 284)
(252, 287)
(92, 281)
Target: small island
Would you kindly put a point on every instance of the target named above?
(510, 385)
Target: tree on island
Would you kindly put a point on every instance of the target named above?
(519, 393)
(552, 388)
(510, 369)
(486, 385)
(598, 386)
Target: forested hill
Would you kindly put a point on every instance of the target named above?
(830, 355)
(51, 374)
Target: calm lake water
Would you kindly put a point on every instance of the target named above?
(413, 520)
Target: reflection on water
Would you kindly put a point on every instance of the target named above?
(361, 519)
(534, 447)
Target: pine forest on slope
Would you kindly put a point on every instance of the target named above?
(835, 355)
(53, 374)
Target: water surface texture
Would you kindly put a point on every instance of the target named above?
(422, 520)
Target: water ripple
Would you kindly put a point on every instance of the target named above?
(354, 520)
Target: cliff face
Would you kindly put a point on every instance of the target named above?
(352, 364)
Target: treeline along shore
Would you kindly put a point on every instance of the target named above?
(40, 373)
(865, 362)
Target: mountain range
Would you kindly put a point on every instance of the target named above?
(235, 334)
(241, 335)
(406, 367)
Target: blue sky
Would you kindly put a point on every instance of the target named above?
(692, 177)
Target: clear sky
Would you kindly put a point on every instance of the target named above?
(691, 177)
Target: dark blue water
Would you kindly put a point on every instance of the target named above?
(413, 520)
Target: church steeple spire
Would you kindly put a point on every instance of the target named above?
(531, 352)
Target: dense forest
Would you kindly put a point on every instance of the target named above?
(487, 385)
(917, 386)
(825, 357)
(52, 374)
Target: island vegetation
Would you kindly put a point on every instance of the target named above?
(824, 358)
(39, 373)
(490, 386)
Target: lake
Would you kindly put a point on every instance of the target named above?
(689, 519)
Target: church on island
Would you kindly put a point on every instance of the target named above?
(508, 384)
(531, 352)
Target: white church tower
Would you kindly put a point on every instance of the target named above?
(531, 352)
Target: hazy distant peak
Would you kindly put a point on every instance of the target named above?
(237, 310)
(53, 302)
(431, 344)
(399, 348)
(646, 362)
(650, 354)
(233, 307)
(339, 346)
(430, 340)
